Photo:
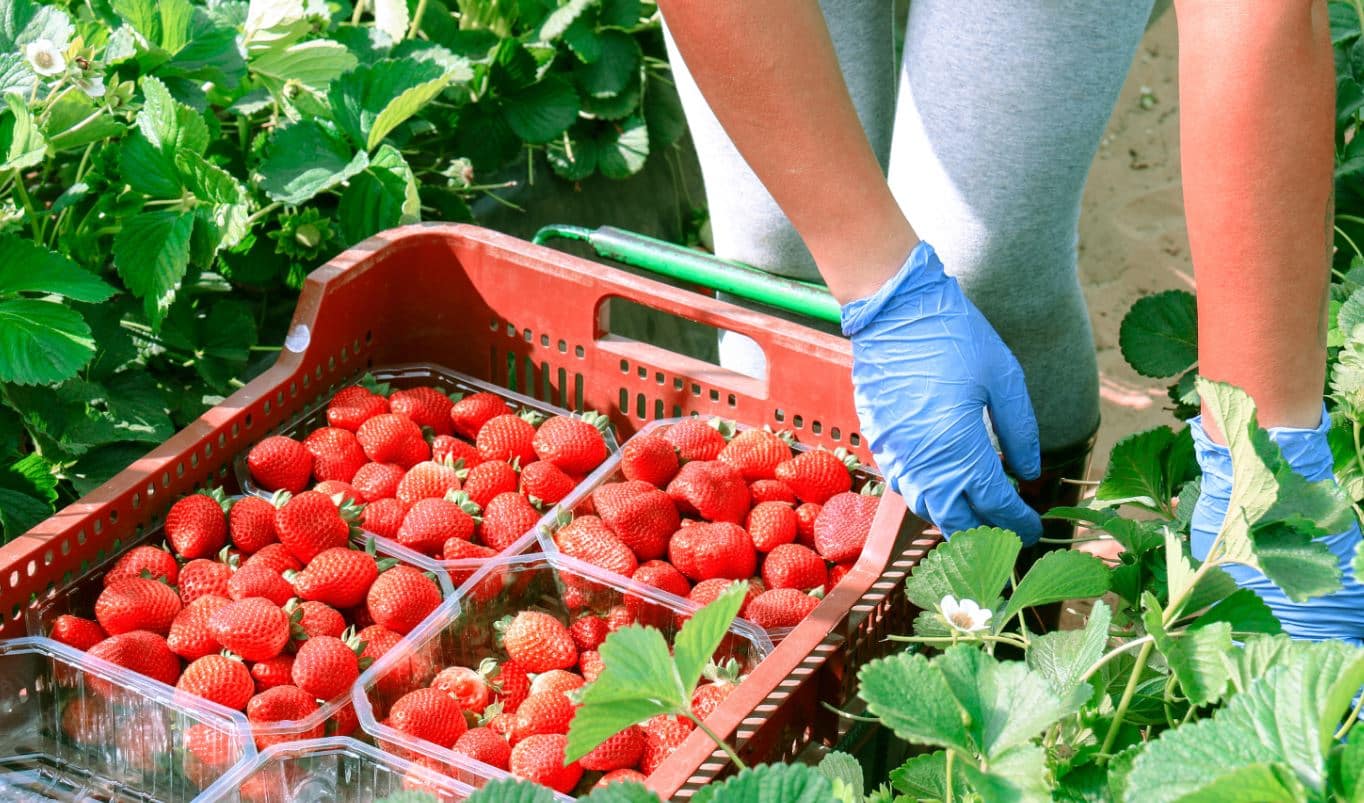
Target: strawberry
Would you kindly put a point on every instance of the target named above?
(282, 704)
(706, 551)
(427, 480)
(662, 735)
(277, 557)
(486, 745)
(272, 672)
(469, 688)
(469, 414)
(698, 439)
(488, 479)
(388, 438)
(344, 722)
(428, 714)
(818, 474)
(190, 636)
(545, 712)
(506, 518)
(137, 604)
(219, 679)
(708, 696)
(771, 524)
(77, 632)
(384, 517)
(402, 676)
(620, 616)
(254, 628)
(84, 721)
(452, 450)
(511, 682)
(339, 577)
(713, 490)
(426, 406)
(208, 752)
(353, 406)
(540, 759)
(149, 562)
(416, 450)
(142, 652)
(836, 575)
(661, 575)
(649, 458)
(259, 580)
(459, 549)
(401, 598)
(794, 566)
(431, 522)
(311, 522)
(203, 577)
(588, 632)
(620, 776)
(556, 680)
(326, 666)
(760, 491)
(756, 453)
(314, 619)
(619, 752)
(507, 437)
(336, 452)
(280, 463)
(706, 591)
(196, 525)
(780, 607)
(589, 661)
(539, 642)
(842, 527)
(588, 539)
(545, 483)
(338, 489)
(375, 481)
(251, 522)
(641, 516)
(805, 523)
(574, 444)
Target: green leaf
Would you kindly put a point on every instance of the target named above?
(151, 253)
(622, 151)
(663, 112)
(24, 21)
(610, 108)
(1135, 536)
(165, 127)
(1159, 334)
(1347, 377)
(1020, 774)
(1059, 575)
(582, 38)
(1063, 656)
(26, 267)
(1351, 314)
(1344, 21)
(1256, 655)
(73, 121)
(1350, 767)
(573, 156)
(97, 466)
(513, 67)
(481, 133)
(975, 564)
(511, 790)
(787, 783)
(208, 182)
(845, 775)
(163, 23)
(1005, 704)
(384, 195)
(541, 111)
(371, 100)
(15, 75)
(924, 777)
(20, 138)
(639, 681)
(147, 169)
(699, 637)
(41, 342)
(20, 513)
(622, 792)
(619, 13)
(1195, 656)
(1244, 611)
(560, 18)
(305, 159)
(1135, 472)
(617, 64)
(32, 474)
(315, 64)
(888, 685)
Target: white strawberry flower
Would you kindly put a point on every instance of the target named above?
(44, 57)
(966, 615)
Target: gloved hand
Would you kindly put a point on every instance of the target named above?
(926, 364)
(1338, 615)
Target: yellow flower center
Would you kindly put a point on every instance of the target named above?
(961, 620)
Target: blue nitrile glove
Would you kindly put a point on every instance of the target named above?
(926, 364)
(1338, 615)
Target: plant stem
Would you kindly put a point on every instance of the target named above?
(950, 755)
(1351, 241)
(1128, 647)
(729, 751)
(356, 14)
(954, 639)
(1350, 720)
(416, 19)
(29, 211)
(1127, 694)
(262, 212)
(1081, 540)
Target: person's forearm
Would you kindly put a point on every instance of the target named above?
(768, 70)
(1257, 96)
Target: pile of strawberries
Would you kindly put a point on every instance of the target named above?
(453, 478)
(700, 506)
(264, 609)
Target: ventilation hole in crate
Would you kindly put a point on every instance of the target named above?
(525, 333)
(625, 401)
(66, 547)
(317, 372)
(695, 389)
(14, 614)
(642, 371)
(511, 330)
(265, 408)
(137, 500)
(293, 390)
(511, 371)
(531, 380)
(658, 408)
(854, 439)
(194, 460)
(563, 346)
(577, 392)
(579, 352)
(32, 568)
(355, 347)
(625, 366)
(816, 427)
(331, 365)
(151, 489)
(733, 400)
(208, 450)
(492, 324)
(544, 380)
(222, 440)
(222, 473)
(678, 384)
(81, 537)
(835, 434)
(780, 415)
(714, 395)
(47, 557)
(14, 582)
(345, 352)
(307, 381)
(561, 395)
(659, 378)
(640, 402)
(798, 422)
(235, 430)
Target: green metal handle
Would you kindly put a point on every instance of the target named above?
(689, 265)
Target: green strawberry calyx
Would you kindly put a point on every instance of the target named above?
(724, 426)
(596, 419)
(219, 496)
(848, 458)
(533, 417)
(465, 503)
(373, 385)
(873, 489)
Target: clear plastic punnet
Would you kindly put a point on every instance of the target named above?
(332, 769)
(75, 727)
(463, 633)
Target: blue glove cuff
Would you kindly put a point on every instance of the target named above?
(1305, 449)
(921, 269)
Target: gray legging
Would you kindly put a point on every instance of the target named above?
(1001, 107)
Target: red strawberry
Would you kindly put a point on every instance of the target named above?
(251, 522)
(416, 451)
(507, 437)
(428, 714)
(259, 580)
(794, 566)
(771, 524)
(661, 575)
(511, 681)
(208, 752)
(272, 672)
(404, 674)
(339, 577)
(384, 517)
(780, 607)
(506, 518)
(486, 745)
(432, 522)
(502, 724)
(588, 632)
(620, 776)
(84, 720)
(620, 616)
(427, 480)
(546, 712)
(818, 474)
(706, 591)
(842, 527)
(424, 405)
(277, 557)
(619, 752)
(311, 522)
(283, 704)
(196, 525)
(401, 598)
(325, 667)
(836, 574)
(137, 604)
(375, 481)
(222, 680)
(574, 444)
(77, 632)
(203, 577)
(149, 562)
(337, 488)
(556, 680)
(591, 664)
(190, 636)
(650, 458)
(711, 489)
(142, 652)
(469, 688)
(469, 414)
(539, 642)
(459, 549)
(708, 696)
(545, 483)
(452, 450)
(314, 619)
(254, 628)
(699, 439)
(706, 551)
(388, 438)
(641, 516)
(280, 463)
(488, 479)
(344, 722)
(662, 735)
(588, 539)
(353, 406)
(760, 491)
(805, 523)
(540, 759)
(336, 452)
(756, 453)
